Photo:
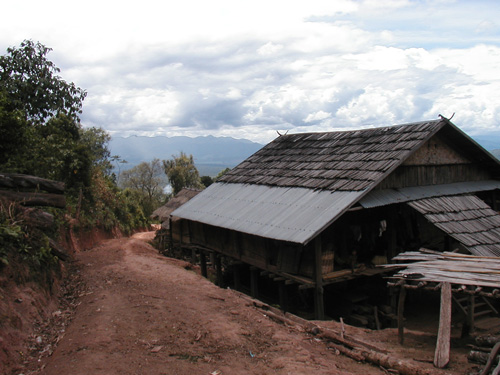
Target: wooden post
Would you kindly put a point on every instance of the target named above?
(236, 276)
(254, 281)
(471, 306)
(212, 259)
(193, 255)
(392, 235)
(319, 304)
(181, 231)
(282, 295)
(171, 236)
(401, 307)
(218, 270)
(203, 264)
(442, 354)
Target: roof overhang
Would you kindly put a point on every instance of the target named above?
(467, 219)
(378, 198)
(288, 214)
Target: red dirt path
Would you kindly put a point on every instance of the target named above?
(142, 313)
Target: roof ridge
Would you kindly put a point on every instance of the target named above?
(366, 129)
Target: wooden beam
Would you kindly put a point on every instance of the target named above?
(491, 360)
(319, 304)
(237, 276)
(401, 307)
(471, 307)
(442, 353)
(283, 295)
(305, 286)
(254, 282)
(171, 236)
(218, 270)
(203, 264)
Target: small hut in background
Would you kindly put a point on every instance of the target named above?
(163, 215)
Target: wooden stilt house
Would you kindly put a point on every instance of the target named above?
(316, 209)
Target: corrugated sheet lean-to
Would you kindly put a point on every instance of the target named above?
(287, 214)
(378, 198)
(467, 219)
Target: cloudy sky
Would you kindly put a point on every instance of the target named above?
(248, 69)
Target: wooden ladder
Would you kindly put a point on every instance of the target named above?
(474, 307)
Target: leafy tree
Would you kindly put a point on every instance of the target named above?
(206, 181)
(149, 181)
(41, 134)
(222, 173)
(181, 172)
(97, 141)
(41, 127)
(32, 84)
(13, 134)
(55, 151)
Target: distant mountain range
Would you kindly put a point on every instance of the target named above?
(211, 154)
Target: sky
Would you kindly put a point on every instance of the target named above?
(251, 69)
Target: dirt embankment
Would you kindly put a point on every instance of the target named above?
(133, 311)
(30, 310)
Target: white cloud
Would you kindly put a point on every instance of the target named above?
(317, 116)
(378, 106)
(248, 69)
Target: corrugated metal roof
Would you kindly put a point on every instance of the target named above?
(378, 198)
(467, 219)
(287, 214)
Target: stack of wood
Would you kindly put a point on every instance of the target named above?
(30, 193)
(31, 190)
(432, 266)
(485, 352)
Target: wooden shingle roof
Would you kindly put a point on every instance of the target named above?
(335, 161)
(467, 219)
(163, 213)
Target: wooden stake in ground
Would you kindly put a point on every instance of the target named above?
(442, 354)
(401, 307)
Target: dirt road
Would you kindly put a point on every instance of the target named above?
(142, 313)
(130, 310)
